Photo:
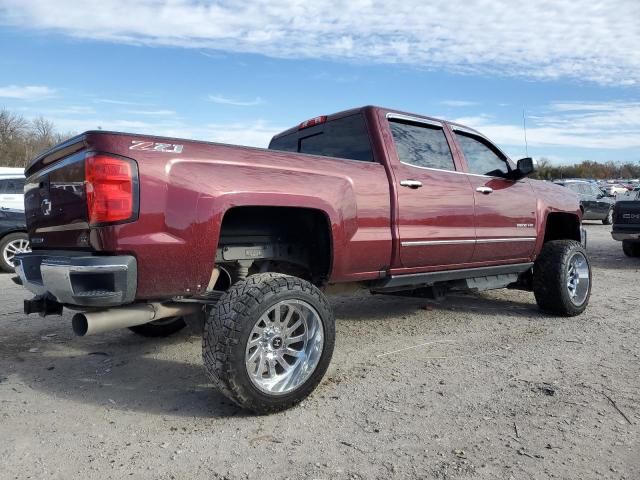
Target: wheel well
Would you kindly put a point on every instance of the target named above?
(562, 226)
(289, 240)
(12, 231)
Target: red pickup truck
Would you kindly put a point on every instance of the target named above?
(140, 232)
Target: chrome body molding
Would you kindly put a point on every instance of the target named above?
(426, 243)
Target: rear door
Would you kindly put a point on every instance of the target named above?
(602, 203)
(588, 200)
(435, 200)
(505, 210)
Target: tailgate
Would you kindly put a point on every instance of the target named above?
(627, 213)
(55, 202)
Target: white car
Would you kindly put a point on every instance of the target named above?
(12, 188)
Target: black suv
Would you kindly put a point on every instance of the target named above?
(594, 203)
(13, 237)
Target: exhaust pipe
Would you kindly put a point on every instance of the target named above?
(91, 323)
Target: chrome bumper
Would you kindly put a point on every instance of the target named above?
(620, 236)
(78, 279)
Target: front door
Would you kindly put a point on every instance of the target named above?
(435, 199)
(505, 210)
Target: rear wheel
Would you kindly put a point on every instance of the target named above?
(10, 246)
(608, 220)
(631, 249)
(160, 328)
(268, 342)
(562, 278)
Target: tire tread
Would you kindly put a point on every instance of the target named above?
(223, 330)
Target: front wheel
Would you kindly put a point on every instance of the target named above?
(268, 342)
(631, 249)
(562, 278)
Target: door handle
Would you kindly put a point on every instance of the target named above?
(411, 183)
(485, 190)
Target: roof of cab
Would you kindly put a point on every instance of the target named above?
(352, 111)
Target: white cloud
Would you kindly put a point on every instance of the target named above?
(546, 39)
(251, 133)
(154, 113)
(588, 125)
(119, 102)
(28, 92)
(458, 103)
(222, 100)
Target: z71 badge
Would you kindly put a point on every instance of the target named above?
(155, 146)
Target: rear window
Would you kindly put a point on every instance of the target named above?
(345, 137)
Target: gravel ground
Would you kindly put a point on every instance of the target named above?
(478, 386)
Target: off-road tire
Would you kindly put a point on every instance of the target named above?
(227, 330)
(6, 240)
(608, 220)
(160, 328)
(630, 248)
(550, 275)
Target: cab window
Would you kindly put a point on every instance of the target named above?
(482, 158)
(421, 145)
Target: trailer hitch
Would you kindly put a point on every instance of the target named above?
(43, 305)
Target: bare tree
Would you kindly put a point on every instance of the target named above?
(21, 139)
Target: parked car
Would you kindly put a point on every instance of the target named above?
(626, 223)
(13, 237)
(613, 189)
(372, 198)
(12, 188)
(595, 204)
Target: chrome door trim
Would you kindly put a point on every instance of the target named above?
(503, 240)
(409, 118)
(426, 243)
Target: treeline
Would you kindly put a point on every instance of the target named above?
(587, 169)
(22, 139)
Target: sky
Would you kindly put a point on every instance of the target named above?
(239, 72)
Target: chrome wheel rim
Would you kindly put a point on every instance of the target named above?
(284, 347)
(578, 278)
(610, 216)
(13, 248)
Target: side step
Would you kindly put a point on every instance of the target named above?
(487, 277)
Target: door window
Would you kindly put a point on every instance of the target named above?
(422, 145)
(584, 189)
(11, 186)
(481, 156)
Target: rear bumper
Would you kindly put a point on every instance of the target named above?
(80, 279)
(620, 236)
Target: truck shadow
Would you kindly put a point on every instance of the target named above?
(371, 307)
(125, 372)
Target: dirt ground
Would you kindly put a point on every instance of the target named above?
(478, 386)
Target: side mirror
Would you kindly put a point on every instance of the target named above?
(526, 166)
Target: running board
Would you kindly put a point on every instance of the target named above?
(430, 278)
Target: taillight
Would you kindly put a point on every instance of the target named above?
(312, 122)
(110, 188)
